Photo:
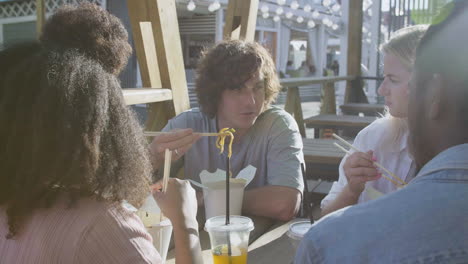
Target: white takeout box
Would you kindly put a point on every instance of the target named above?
(159, 229)
(214, 191)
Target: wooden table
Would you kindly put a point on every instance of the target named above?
(339, 122)
(366, 109)
(272, 247)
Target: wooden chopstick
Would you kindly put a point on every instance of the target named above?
(154, 133)
(401, 182)
(348, 152)
(166, 174)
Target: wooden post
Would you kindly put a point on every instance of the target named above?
(328, 103)
(159, 51)
(354, 91)
(40, 19)
(294, 107)
(241, 19)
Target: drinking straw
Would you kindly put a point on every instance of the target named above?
(228, 169)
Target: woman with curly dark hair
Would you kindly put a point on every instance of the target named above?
(236, 84)
(71, 152)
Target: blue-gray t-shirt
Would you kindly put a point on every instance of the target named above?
(273, 145)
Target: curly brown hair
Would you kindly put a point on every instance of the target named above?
(228, 65)
(65, 131)
(93, 31)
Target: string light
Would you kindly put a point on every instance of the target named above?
(311, 24)
(315, 14)
(300, 19)
(336, 8)
(191, 6)
(307, 8)
(279, 10)
(326, 3)
(276, 18)
(289, 15)
(281, 2)
(264, 9)
(294, 5)
(265, 15)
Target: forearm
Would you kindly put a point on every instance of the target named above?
(187, 243)
(276, 202)
(345, 198)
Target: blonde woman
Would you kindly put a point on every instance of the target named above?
(385, 140)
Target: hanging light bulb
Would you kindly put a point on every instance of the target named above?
(279, 10)
(191, 6)
(336, 8)
(334, 26)
(211, 7)
(276, 18)
(325, 21)
(311, 24)
(289, 15)
(368, 40)
(294, 5)
(326, 3)
(300, 19)
(369, 12)
(315, 14)
(265, 15)
(307, 8)
(364, 30)
(281, 2)
(216, 5)
(264, 9)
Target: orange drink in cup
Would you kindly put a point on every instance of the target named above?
(229, 243)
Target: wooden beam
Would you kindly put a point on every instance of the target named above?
(169, 51)
(293, 106)
(294, 82)
(40, 19)
(134, 96)
(145, 47)
(241, 19)
(354, 92)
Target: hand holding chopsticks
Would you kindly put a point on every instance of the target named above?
(393, 178)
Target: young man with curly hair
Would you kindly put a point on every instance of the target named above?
(236, 84)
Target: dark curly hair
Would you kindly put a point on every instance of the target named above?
(65, 131)
(92, 30)
(230, 64)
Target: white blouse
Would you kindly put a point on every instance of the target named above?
(394, 157)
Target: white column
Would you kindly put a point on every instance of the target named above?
(374, 55)
(343, 52)
(278, 43)
(219, 25)
(1, 33)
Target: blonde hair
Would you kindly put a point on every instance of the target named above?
(402, 45)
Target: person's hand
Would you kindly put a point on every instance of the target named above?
(179, 142)
(359, 169)
(178, 203)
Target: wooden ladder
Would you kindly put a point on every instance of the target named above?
(158, 49)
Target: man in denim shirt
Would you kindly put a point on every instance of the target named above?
(426, 221)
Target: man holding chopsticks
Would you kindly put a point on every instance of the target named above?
(426, 221)
(236, 84)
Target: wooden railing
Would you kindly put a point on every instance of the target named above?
(293, 99)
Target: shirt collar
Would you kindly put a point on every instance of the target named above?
(455, 158)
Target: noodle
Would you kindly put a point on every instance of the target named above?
(223, 133)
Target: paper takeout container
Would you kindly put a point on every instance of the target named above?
(159, 229)
(214, 191)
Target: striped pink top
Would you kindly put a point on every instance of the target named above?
(91, 232)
